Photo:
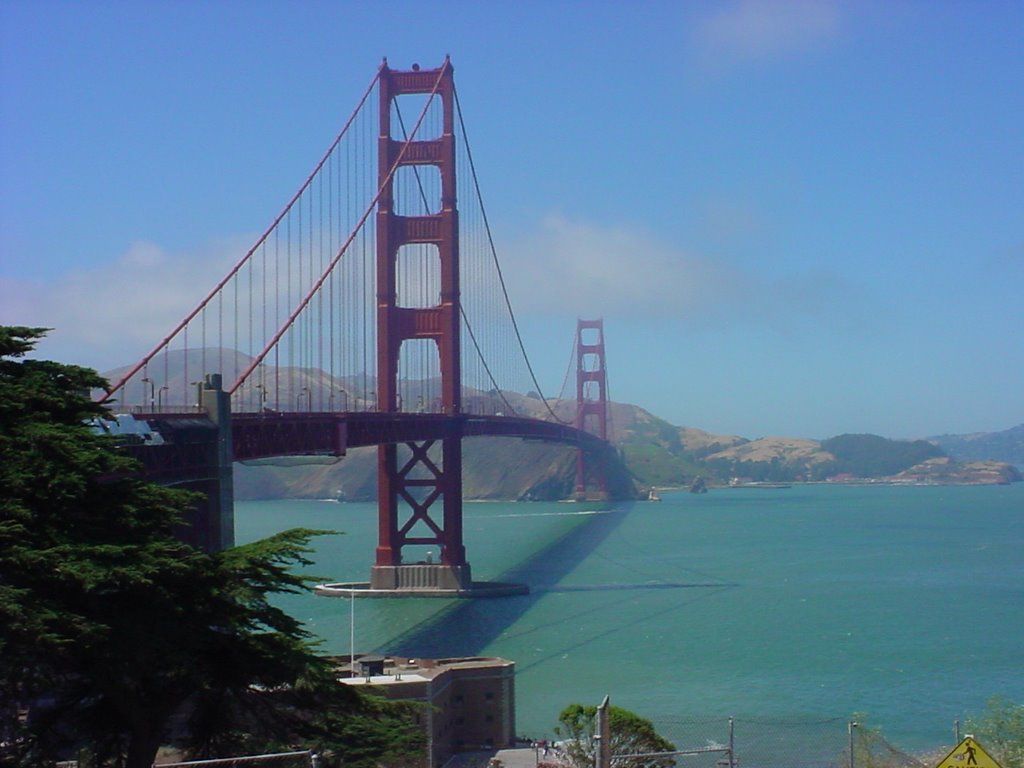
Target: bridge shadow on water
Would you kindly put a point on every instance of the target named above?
(467, 627)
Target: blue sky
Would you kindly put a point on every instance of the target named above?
(796, 218)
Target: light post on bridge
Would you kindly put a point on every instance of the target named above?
(160, 396)
(152, 397)
(262, 390)
(344, 399)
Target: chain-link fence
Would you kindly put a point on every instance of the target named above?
(305, 759)
(743, 743)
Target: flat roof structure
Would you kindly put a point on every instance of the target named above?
(469, 702)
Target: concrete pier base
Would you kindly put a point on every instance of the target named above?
(475, 589)
(421, 576)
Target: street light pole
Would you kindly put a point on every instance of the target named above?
(152, 396)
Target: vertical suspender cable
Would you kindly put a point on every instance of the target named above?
(234, 271)
(501, 278)
(185, 381)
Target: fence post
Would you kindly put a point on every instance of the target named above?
(732, 744)
(850, 728)
(603, 754)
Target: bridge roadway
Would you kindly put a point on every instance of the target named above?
(269, 434)
(190, 446)
(191, 450)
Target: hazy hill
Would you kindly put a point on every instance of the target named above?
(1007, 446)
(874, 456)
(774, 459)
(848, 458)
(171, 379)
(492, 468)
(655, 453)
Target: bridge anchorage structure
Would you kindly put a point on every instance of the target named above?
(314, 343)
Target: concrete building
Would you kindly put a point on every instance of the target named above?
(470, 702)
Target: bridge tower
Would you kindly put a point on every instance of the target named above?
(415, 481)
(591, 401)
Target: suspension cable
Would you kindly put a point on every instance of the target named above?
(497, 265)
(462, 309)
(202, 305)
(341, 251)
(565, 380)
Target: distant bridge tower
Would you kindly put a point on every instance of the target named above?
(591, 402)
(421, 479)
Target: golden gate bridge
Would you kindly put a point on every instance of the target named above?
(371, 312)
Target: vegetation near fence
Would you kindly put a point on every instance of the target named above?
(1000, 728)
(826, 743)
(630, 735)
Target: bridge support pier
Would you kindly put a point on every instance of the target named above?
(413, 485)
(447, 578)
(423, 477)
(220, 501)
(194, 453)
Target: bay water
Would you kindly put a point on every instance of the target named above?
(806, 604)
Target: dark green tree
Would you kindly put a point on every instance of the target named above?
(874, 456)
(109, 625)
(630, 735)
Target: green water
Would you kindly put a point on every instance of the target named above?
(796, 604)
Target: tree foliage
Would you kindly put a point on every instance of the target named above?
(630, 735)
(111, 625)
(1000, 729)
(874, 456)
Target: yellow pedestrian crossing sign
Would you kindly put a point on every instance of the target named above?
(968, 754)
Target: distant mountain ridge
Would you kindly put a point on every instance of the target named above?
(655, 452)
(844, 458)
(1007, 445)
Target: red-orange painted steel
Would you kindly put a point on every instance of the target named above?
(440, 324)
(590, 405)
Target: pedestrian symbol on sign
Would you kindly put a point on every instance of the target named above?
(968, 753)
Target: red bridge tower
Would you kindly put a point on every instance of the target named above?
(411, 481)
(591, 401)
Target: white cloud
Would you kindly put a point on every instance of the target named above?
(573, 267)
(114, 312)
(751, 30)
(588, 270)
